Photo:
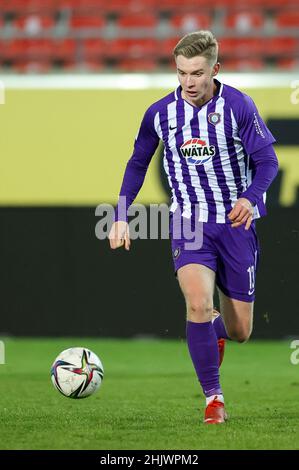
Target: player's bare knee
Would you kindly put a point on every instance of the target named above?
(199, 309)
(243, 338)
(241, 335)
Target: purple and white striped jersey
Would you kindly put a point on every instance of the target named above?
(206, 151)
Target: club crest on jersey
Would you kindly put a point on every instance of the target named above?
(197, 152)
(214, 118)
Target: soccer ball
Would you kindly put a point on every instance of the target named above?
(77, 373)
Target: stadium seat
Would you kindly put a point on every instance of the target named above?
(27, 66)
(131, 48)
(243, 65)
(33, 24)
(80, 21)
(93, 49)
(259, 4)
(244, 21)
(13, 6)
(144, 21)
(174, 6)
(63, 49)
(84, 66)
(288, 64)
(287, 19)
(166, 47)
(28, 6)
(35, 49)
(39, 49)
(27, 49)
(281, 46)
(10, 49)
(137, 65)
(273, 4)
(81, 6)
(241, 47)
(188, 22)
(130, 6)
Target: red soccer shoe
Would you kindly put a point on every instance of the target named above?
(215, 412)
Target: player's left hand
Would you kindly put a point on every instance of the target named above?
(242, 213)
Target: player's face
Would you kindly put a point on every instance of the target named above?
(196, 78)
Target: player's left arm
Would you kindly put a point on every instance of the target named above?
(266, 168)
(257, 141)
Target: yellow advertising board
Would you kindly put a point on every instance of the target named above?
(70, 147)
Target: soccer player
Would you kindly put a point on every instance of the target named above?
(219, 160)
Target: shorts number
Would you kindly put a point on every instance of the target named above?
(250, 271)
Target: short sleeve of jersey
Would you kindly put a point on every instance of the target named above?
(253, 132)
(147, 138)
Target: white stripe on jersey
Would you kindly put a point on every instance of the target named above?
(174, 204)
(239, 151)
(172, 117)
(195, 180)
(223, 152)
(212, 179)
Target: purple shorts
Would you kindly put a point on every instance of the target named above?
(232, 253)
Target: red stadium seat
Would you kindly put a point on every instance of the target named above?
(270, 4)
(27, 66)
(260, 4)
(137, 65)
(84, 66)
(63, 49)
(35, 49)
(288, 64)
(34, 24)
(93, 49)
(281, 46)
(131, 48)
(7, 6)
(166, 47)
(39, 49)
(28, 6)
(81, 6)
(182, 5)
(188, 22)
(242, 65)
(241, 47)
(288, 19)
(137, 21)
(130, 6)
(244, 21)
(80, 21)
(11, 49)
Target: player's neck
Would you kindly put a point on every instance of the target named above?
(204, 99)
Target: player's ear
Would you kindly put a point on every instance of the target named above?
(216, 68)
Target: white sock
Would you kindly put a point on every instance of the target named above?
(211, 398)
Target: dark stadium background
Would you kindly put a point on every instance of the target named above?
(56, 278)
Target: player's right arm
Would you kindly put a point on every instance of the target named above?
(146, 142)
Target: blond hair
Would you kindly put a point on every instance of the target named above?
(201, 43)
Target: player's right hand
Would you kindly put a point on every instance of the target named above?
(119, 235)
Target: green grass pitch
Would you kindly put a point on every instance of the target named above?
(150, 398)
